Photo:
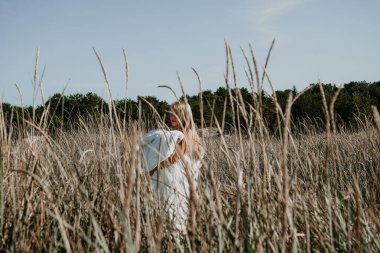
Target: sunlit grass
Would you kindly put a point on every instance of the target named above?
(85, 190)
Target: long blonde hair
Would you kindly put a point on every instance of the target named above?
(182, 110)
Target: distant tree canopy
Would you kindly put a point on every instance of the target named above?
(355, 100)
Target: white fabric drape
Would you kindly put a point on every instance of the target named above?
(170, 183)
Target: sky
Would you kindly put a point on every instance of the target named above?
(331, 41)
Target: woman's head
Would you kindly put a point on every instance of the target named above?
(181, 117)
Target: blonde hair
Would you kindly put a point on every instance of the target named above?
(182, 110)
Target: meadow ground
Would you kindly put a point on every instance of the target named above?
(84, 190)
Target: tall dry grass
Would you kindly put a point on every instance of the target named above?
(85, 190)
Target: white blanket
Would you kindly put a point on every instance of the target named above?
(158, 145)
(170, 183)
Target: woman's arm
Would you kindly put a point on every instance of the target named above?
(180, 150)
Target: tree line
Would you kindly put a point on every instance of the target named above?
(67, 111)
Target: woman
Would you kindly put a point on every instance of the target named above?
(173, 159)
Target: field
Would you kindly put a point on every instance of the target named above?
(83, 190)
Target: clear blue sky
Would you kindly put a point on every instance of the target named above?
(334, 41)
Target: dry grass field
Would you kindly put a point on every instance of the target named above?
(84, 190)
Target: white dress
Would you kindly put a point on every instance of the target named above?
(170, 183)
